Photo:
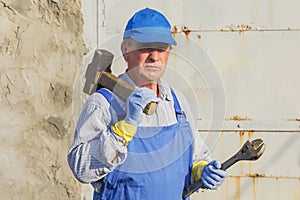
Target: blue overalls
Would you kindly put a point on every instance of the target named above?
(158, 164)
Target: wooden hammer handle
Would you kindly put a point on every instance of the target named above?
(122, 89)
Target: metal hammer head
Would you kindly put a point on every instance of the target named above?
(101, 62)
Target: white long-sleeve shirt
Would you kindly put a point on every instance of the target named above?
(97, 150)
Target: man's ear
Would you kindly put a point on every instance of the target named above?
(124, 52)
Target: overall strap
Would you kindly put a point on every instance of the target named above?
(120, 112)
(106, 93)
(112, 101)
(179, 112)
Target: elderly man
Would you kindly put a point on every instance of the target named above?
(127, 154)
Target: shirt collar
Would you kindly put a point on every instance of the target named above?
(164, 91)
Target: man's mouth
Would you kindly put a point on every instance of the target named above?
(153, 66)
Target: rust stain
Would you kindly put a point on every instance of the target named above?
(253, 188)
(238, 118)
(199, 36)
(175, 29)
(186, 30)
(262, 176)
(241, 28)
(250, 135)
(294, 119)
(238, 189)
(174, 35)
(255, 175)
(241, 133)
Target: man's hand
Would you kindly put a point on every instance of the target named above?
(136, 103)
(212, 175)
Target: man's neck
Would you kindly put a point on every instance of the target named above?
(153, 87)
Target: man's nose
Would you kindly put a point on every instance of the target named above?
(154, 55)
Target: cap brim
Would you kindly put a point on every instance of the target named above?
(147, 35)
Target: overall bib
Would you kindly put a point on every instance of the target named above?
(158, 164)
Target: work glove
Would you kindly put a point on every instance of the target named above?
(136, 103)
(197, 169)
(212, 176)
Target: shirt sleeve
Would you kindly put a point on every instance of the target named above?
(96, 150)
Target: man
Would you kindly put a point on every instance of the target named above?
(127, 154)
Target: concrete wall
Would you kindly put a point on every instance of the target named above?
(41, 50)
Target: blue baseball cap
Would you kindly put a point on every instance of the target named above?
(149, 25)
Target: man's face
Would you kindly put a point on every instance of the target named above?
(147, 61)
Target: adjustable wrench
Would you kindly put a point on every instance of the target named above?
(250, 151)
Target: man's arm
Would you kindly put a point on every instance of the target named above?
(100, 139)
(96, 150)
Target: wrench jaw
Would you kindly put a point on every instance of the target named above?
(259, 147)
(253, 150)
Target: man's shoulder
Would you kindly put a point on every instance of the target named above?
(97, 99)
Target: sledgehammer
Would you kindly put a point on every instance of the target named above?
(250, 151)
(98, 75)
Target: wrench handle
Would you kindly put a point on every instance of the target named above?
(192, 188)
(198, 184)
(228, 163)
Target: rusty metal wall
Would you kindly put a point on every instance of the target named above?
(237, 62)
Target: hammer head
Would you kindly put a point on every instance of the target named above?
(101, 62)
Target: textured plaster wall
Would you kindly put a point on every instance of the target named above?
(41, 50)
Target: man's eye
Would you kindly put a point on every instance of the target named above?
(145, 50)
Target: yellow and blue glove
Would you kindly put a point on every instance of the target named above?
(136, 103)
(197, 169)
